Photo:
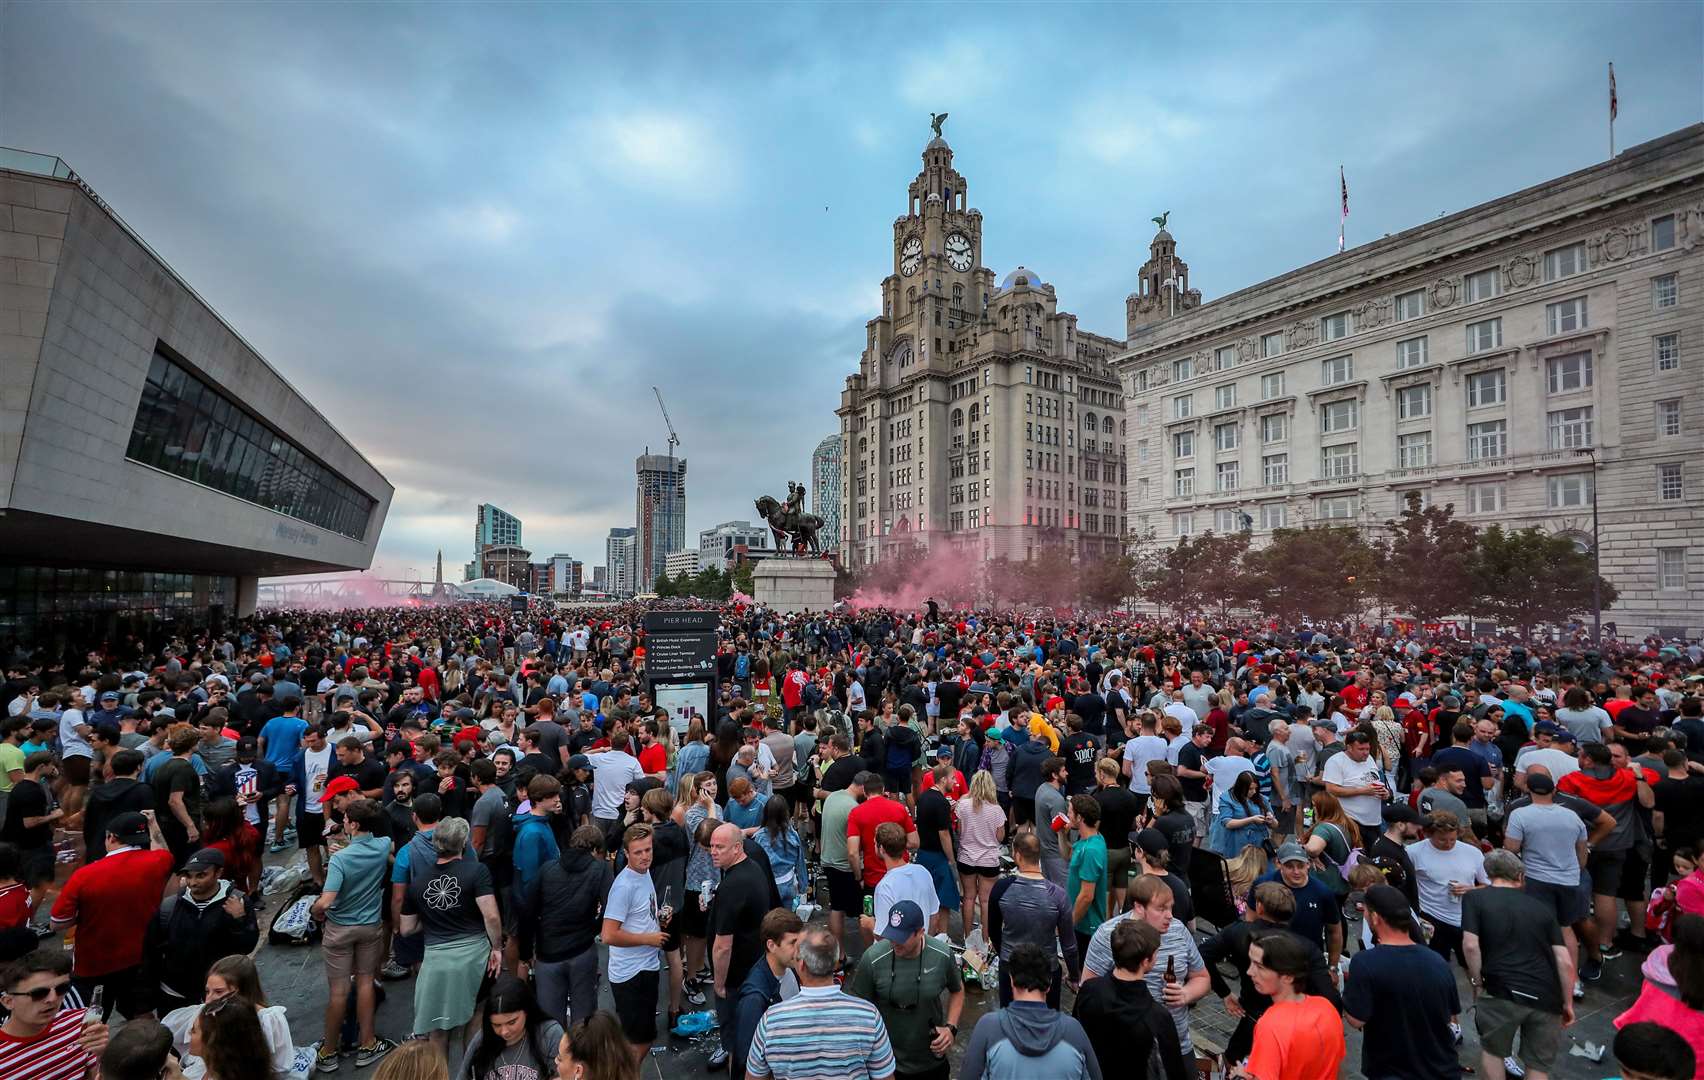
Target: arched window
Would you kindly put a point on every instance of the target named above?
(975, 413)
(1106, 425)
(1089, 420)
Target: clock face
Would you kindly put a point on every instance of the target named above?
(958, 252)
(910, 256)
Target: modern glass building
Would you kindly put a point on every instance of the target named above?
(153, 466)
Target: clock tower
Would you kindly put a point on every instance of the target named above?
(938, 281)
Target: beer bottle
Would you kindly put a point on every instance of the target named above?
(1171, 971)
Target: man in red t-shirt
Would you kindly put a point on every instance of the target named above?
(110, 901)
(861, 830)
(958, 789)
(653, 755)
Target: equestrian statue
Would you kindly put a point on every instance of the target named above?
(795, 531)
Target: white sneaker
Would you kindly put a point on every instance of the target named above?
(1512, 1066)
(1579, 990)
(1455, 1033)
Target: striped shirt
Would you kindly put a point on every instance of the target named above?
(1177, 943)
(821, 1034)
(51, 1055)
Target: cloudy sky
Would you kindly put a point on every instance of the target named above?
(476, 236)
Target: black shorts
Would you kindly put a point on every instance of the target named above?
(689, 921)
(36, 866)
(1568, 903)
(310, 830)
(844, 893)
(124, 990)
(898, 783)
(1023, 810)
(636, 1006)
(798, 795)
(978, 871)
(1633, 873)
(1605, 868)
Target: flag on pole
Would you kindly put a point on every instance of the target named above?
(1344, 183)
(1612, 101)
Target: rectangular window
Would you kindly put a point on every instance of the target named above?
(1272, 515)
(1183, 369)
(1410, 305)
(1226, 436)
(1570, 490)
(1340, 462)
(1335, 416)
(1183, 524)
(191, 429)
(1668, 417)
(1671, 568)
(1662, 233)
(1225, 397)
(1487, 498)
(1565, 261)
(1226, 521)
(1486, 388)
(1142, 450)
(1570, 429)
(1271, 385)
(1224, 358)
(1565, 374)
(1487, 440)
(1272, 344)
(1671, 486)
(1339, 369)
(1414, 451)
(1227, 476)
(1334, 327)
(1414, 402)
(1274, 428)
(1484, 335)
(1275, 469)
(1665, 349)
(1665, 291)
(1142, 490)
(1183, 444)
(1411, 353)
(1183, 484)
(1142, 413)
(1340, 508)
(1565, 316)
(1183, 406)
(1481, 286)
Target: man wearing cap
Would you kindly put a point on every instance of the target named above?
(206, 921)
(110, 902)
(1318, 916)
(1389, 852)
(1402, 996)
(1553, 749)
(914, 982)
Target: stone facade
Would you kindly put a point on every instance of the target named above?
(967, 425)
(1508, 360)
(794, 585)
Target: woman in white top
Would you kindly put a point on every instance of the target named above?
(236, 976)
(981, 826)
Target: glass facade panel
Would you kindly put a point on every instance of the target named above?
(48, 605)
(191, 429)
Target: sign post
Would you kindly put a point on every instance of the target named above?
(680, 664)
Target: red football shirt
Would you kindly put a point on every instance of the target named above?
(51, 1055)
(112, 901)
(654, 759)
(14, 906)
(862, 823)
(958, 788)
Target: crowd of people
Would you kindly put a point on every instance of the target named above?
(1111, 818)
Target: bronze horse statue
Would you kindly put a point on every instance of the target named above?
(797, 537)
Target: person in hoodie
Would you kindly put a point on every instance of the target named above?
(1120, 1016)
(1029, 1038)
(558, 940)
(125, 792)
(535, 843)
(208, 920)
(1024, 774)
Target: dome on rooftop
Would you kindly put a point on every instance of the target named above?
(1022, 276)
(937, 143)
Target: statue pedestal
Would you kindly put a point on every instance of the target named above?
(794, 585)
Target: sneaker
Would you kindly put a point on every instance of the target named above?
(393, 970)
(717, 1060)
(1636, 943)
(326, 1061)
(1455, 1033)
(276, 846)
(1513, 1067)
(1591, 970)
(1610, 951)
(373, 1051)
(693, 997)
(1579, 990)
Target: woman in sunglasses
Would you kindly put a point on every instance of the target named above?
(41, 1038)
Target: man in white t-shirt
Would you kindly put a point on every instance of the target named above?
(1554, 750)
(855, 700)
(1144, 748)
(633, 930)
(1224, 771)
(1445, 870)
(904, 880)
(1180, 711)
(1355, 778)
(308, 778)
(612, 771)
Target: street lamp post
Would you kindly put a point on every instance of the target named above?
(1597, 565)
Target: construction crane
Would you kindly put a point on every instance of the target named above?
(674, 440)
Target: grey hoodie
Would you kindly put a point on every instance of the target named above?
(1026, 1040)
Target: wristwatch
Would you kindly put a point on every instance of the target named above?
(951, 1027)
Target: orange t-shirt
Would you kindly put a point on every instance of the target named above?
(1298, 1040)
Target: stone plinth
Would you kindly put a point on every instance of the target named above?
(794, 585)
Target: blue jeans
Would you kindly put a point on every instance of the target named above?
(568, 985)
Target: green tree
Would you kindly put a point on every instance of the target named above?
(1425, 568)
(741, 578)
(1522, 577)
(1174, 581)
(1312, 572)
(1222, 579)
(665, 585)
(1109, 581)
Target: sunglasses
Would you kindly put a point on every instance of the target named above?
(40, 993)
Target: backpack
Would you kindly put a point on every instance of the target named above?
(1332, 874)
(293, 923)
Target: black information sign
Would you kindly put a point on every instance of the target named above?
(675, 656)
(676, 622)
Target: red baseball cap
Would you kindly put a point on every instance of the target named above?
(339, 785)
